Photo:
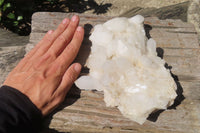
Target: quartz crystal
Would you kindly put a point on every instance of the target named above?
(124, 64)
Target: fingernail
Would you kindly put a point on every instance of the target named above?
(79, 28)
(74, 18)
(50, 31)
(77, 67)
(65, 21)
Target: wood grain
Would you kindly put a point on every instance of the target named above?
(85, 111)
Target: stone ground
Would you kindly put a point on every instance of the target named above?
(186, 10)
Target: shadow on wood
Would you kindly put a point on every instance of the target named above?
(160, 53)
(147, 29)
(85, 47)
(154, 115)
(179, 92)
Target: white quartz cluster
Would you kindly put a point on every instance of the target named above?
(124, 65)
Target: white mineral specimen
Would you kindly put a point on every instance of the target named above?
(124, 65)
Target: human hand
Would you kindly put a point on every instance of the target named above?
(46, 74)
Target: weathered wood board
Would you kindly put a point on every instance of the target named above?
(85, 111)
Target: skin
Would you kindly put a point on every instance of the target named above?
(46, 74)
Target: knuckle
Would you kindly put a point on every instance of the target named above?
(53, 55)
(56, 70)
(72, 76)
(60, 27)
(62, 38)
(47, 39)
(50, 55)
(72, 48)
(40, 63)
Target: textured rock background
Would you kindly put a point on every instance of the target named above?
(11, 51)
(9, 57)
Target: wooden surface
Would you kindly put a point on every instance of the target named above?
(85, 111)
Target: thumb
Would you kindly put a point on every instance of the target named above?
(69, 77)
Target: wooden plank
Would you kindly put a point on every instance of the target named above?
(85, 111)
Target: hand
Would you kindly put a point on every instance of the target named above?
(46, 74)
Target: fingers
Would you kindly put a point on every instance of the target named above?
(43, 48)
(63, 40)
(61, 64)
(70, 52)
(43, 45)
(50, 37)
(56, 42)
